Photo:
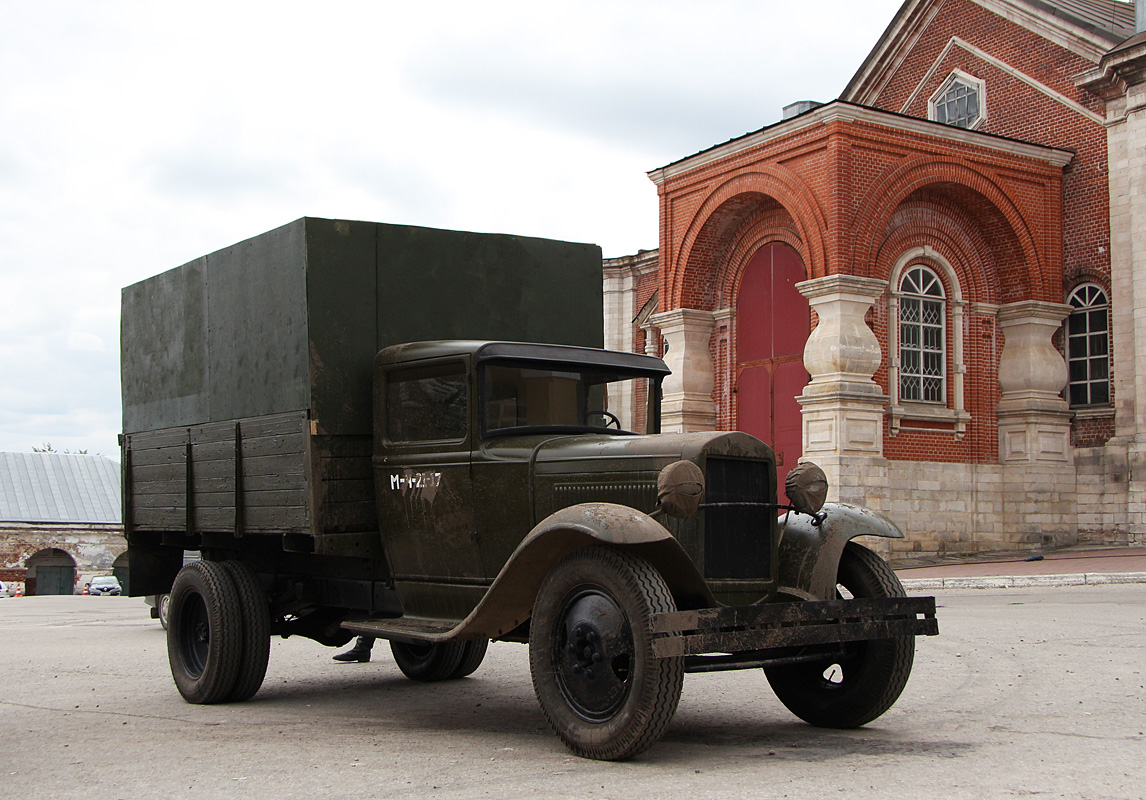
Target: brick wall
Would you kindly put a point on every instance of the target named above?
(1007, 57)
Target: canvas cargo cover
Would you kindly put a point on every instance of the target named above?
(289, 321)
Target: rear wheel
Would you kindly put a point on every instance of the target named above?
(162, 608)
(866, 680)
(256, 641)
(204, 632)
(590, 654)
(473, 653)
(429, 662)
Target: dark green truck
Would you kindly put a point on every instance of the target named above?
(413, 434)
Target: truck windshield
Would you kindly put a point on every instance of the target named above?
(526, 398)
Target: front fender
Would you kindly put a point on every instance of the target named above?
(509, 601)
(810, 555)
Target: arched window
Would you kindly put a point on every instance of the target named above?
(1088, 347)
(922, 329)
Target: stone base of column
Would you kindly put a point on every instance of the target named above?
(842, 424)
(1034, 437)
(682, 413)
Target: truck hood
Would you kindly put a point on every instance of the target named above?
(592, 452)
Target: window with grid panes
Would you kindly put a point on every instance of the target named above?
(1088, 347)
(922, 329)
(958, 103)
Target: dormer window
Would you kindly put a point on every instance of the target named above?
(959, 101)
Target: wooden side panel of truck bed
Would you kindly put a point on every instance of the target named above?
(260, 475)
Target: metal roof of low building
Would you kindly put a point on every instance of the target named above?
(59, 487)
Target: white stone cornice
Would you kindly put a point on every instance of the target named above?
(850, 113)
(890, 52)
(1032, 310)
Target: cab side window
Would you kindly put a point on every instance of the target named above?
(427, 403)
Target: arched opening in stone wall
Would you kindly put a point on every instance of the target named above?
(712, 250)
(51, 571)
(967, 241)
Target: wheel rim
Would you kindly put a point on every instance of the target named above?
(840, 673)
(194, 635)
(419, 653)
(594, 654)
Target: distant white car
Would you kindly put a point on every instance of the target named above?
(3, 590)
(105, 585)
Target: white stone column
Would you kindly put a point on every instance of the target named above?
(687, 404)
(842, 406)
(1034, 420)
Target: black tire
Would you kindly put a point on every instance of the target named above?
(473, 653)
(255, 611)
(428, 662)
(204, 632)
(590, 654)
(163, 609)
(854, 689)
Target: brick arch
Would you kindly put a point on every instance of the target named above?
(989, 206)
(964, 247)
(690, 282)
(776, 226)
(1087, 274)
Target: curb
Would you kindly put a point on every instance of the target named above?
(1024, 581)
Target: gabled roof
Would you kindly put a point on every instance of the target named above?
(57, 487)
(1108, 19)
(1086, 27)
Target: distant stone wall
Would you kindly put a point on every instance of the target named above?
(93, 547)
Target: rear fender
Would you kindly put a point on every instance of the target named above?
(810, 555)
(509, 601)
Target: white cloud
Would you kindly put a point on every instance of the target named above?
(139, 136)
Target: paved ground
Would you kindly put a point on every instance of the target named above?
(1026, 691)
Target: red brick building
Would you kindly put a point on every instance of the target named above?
(929, 285)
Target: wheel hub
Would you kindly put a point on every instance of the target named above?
(595, 655)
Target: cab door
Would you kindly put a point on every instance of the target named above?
(424, 487)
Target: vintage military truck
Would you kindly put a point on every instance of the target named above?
(411, 434)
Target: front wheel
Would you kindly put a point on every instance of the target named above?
(590, 654)
(854, 688)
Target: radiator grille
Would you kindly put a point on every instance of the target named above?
(738, 540)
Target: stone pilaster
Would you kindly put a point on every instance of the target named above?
(687, 404)
(842, 405)
(1034, 419)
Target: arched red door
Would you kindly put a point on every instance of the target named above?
(772, 324)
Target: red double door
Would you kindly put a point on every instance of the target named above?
(772, 324)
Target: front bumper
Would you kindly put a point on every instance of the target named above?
(778, 626)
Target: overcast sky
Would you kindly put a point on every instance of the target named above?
(136, 136)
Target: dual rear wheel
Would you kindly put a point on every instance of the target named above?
(438, 662)
(218, 632)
